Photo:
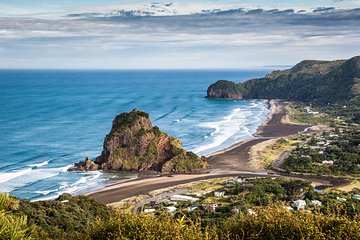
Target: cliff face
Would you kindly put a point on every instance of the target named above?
(133, 144)
(317, 81)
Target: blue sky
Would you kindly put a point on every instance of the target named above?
(95, 34)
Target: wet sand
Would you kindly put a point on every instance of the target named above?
(233, 161)
(237, 157)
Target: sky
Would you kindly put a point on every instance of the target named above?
(207, 34)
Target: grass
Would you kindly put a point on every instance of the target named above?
(263, 155)
(349, 187)
(297, 114)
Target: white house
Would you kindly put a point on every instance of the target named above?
(210, 206)
(183, 198)
(288, 208)
(299, 204)
(170, 209)
(219, 194)
(239, 180)
(149, 210)
(316, 203)
(251, 212)
(192, 208)
(325, 162)
(341, 199)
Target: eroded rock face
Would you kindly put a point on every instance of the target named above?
(133, 144)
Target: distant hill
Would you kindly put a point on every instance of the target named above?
(320, 82)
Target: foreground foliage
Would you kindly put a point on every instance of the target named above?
(271, 222)
(12, 226)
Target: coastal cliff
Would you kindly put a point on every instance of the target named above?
(316, 81)
(133, 144)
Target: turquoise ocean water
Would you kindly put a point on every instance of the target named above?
(51, 119)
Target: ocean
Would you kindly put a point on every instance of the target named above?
(50, 119)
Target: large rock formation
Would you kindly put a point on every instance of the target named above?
(133, 144)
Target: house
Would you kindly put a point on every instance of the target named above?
(356, 197)
(211, 207)
(170, 209)
(341, 199)
(299, 204)
(247, 184)
(183, 198)
(327, 162)
(149, 210)
(316, 203)
(219, 194)
(229, 182)
(239, 180)
(192, 208)
(288, 208)
(65, 201)
(251, 212)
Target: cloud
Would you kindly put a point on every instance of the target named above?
(213, 39)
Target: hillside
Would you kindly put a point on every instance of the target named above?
(133, 144)
(320, 82)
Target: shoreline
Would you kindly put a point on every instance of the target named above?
(231, 161)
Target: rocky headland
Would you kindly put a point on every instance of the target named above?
(314, 81)
(133, 144)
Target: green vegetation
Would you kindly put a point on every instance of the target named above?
(335, 153)
(13, 226)
(296, 113)
(81, 218)
(319, 82)
(316, 81)
(125, 120)
(64, 218)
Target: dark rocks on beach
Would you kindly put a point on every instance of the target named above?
(87, 165)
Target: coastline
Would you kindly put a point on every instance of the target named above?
(232, 161)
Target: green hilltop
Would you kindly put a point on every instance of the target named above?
(320, 82)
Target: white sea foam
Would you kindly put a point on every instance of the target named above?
(222, 130)
(24, 177)
(4, 177)
(239, 125)
(39, 164)
(90, 179)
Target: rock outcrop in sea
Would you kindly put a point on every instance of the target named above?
(133, 144)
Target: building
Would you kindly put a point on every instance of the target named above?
(356, 197)
(251, 212)
(170, 209)
(316, 203)
(327, 162)
(299, 204)
(211, 207)
(341, 199)
(183, 198)
(192, 208)
(219, 194)
(288, 208)
(149, 210)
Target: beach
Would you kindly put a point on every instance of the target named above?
(233, 161)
